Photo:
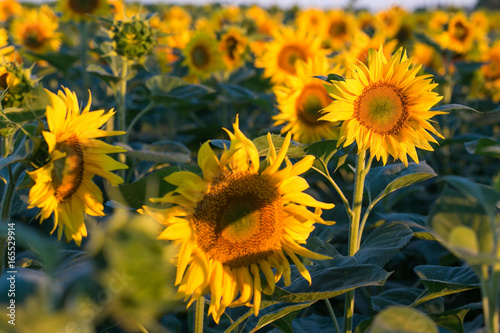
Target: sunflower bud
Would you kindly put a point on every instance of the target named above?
(133, 38)
(16, 83)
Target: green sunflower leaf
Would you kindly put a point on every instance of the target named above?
(168, 89)
(484, 146)
(399, 319)
(440, 281)
(452, 320)
(383, 243)
(383, 180)
(281, 311)
(453, 107)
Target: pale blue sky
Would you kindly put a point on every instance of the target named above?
(370, 4)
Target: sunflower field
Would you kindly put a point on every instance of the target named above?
(223, 168)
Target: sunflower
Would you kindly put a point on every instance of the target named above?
(311, 19)
(460, 35)
(177, 19)
(340, 28)
(233, 44)
(491, 71)
(64, 186)
(438, 22)
(358, 50)
(81, 10)
(201, 55)
(367, 22)
(239, 219)
(288, 46)
(391, 20)
(300, 102)
(427, 56)
(9, 8)
(117, 8)
(385, 107)
(36, 30)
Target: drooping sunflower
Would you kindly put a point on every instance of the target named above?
(302, 99)
(233, 44)
(81, 10)
(239, 219)
(385, 107)
(288, 46)
(9, 8)
(36, 30)
(64, 185)
(460, 35)
(201, 55)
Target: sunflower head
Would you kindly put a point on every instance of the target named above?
(289, 46)
(64, 186)
(385, 107)
(340, 28)
(177, 19)
(37, 30)
(9, 8)
(202, 56)
(237, 219)
(233, 43)
(302, 99)
(133, 38)
(460, 35)
(82, 10)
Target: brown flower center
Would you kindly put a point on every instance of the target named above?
(337, 29)
(288, 56)
(67, 175)
(460, 31)
(83, 6)
(32, 38)
(239, 220)
(311, 100)
(382, 108)
(200, 56)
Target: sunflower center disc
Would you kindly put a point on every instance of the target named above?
(239, 220)
(337, 29)
(33, 39)
(381, 108)
(460, 31)
(312, 99)
(83, 6)
(67, 174)
(200, 56)
(288, 56)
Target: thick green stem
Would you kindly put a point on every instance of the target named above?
(121, 104)
(354, 232)
(489, 292)
(6, 204)
(84, 44)
(199, 315)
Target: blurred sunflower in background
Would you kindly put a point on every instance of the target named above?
(288, 46)
(64, 185)
(460, 35)
(385, 107)
(9, 8)
(311, 19)
(233, 44)
(301, 100)
(202, 55)
(491, 71)
(390, 20)
(339, 29)
(81, 10)
(238, 220)
(36, 30)
(117, 9)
